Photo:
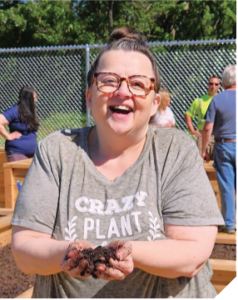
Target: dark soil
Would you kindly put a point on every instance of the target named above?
(223, 251)
(13, 282)
(99, 255)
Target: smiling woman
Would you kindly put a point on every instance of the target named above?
(125, 185)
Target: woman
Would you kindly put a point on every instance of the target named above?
(121, 184)
(164, 117)
(23, 124)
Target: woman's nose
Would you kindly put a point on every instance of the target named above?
(123, 89)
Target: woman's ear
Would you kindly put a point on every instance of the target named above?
(88, 98)
(156, 103)
(158, 98)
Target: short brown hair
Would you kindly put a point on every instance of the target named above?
(126, 39)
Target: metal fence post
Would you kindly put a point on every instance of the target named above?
(87, 49)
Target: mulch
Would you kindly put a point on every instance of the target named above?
(224, 251)
(13, 282)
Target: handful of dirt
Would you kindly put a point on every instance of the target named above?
(94, 257)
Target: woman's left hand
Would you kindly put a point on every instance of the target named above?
(121, 267)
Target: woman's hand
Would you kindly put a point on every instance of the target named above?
(73, 264)
(13, 136)
(121, 267)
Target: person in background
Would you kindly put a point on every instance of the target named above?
(221, 120)
(122, 184)
(164, 116)
(199, 108)
(23, 124)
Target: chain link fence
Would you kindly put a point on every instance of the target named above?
(58, 74)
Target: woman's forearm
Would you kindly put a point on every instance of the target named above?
(3, 132)
(168, 258)
(39, 255)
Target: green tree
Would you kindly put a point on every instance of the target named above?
(49, 23)
(38, 23)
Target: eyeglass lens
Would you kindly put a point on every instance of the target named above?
(211, 83)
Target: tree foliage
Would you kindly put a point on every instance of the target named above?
(48, 23)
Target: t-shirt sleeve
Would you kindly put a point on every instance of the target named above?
(37, 202)
(11, 113)
(192, 111)
(211, 112)
(187, 195)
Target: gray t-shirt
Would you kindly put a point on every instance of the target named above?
(65, 195)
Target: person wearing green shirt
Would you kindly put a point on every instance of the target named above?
(199, 108)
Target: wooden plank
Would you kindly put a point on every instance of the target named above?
(211, 174)
(224, 238)
(6, 211)
(20, 164)
(223, 265)
(26, 294)
(219, 287)
(5, 237)
(9, 188)
(224, 271)
(5, 222)
(3, 159)
(13, 172)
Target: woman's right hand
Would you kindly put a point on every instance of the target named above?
(72, 263)
(13, 136)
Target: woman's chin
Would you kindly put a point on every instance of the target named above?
(120, 129)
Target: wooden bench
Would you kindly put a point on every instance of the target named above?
(13, 172)
(3, 160)
(224, 271)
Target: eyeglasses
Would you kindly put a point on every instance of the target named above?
(138, 85)
(211, 83)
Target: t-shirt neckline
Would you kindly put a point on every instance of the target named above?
(97, 174)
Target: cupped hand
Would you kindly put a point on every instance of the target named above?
(73, 264)
(14, 135)
(121, 267)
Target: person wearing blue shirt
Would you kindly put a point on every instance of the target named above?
(221, 119)
(23, 123)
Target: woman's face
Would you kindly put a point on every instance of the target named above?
(121, 111)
